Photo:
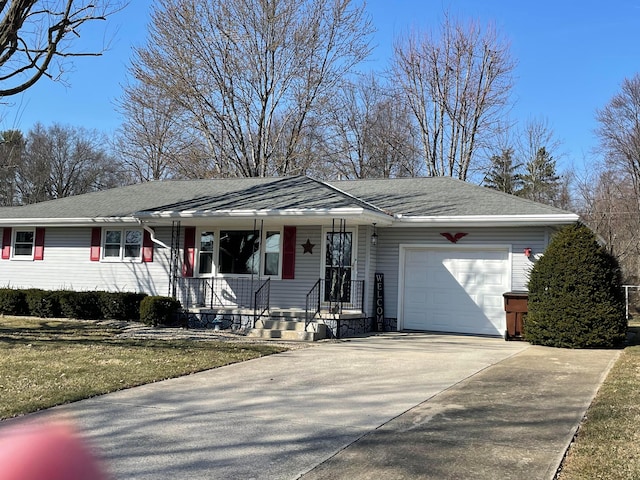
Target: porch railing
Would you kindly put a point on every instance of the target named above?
(261, 300)
(222, 292)
(349, 295)
(312, 306)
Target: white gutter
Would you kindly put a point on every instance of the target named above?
(66, 222)
(379, 217)
(250, 213)
(382, 220)
(486, 220)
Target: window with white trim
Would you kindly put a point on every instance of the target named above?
(205, 253)
(23, 243)
(272, 249)
(239, 252)
(122, 244)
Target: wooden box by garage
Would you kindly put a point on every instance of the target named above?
(516, 306)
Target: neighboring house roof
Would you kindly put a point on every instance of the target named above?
(385, 201)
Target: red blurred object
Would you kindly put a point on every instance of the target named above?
(46, 452)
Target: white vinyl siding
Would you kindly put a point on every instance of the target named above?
(67, 265)
(293, 293)
(67, 262)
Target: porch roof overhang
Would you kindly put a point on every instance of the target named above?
(356, 215)
(486, 220)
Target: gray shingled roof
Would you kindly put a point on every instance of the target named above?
(286, 193)
(433, 196)
(441, 196)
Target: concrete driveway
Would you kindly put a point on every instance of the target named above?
(275, 417)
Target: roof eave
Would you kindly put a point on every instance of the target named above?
(65, 222)
(487, 220)
(364, 216)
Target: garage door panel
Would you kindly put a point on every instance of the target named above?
(455, 290)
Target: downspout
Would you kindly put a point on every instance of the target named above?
(152, 235)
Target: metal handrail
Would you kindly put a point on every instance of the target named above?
(218, 292)
(261, 300)
(350, 293)
(312, 296)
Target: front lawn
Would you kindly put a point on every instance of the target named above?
(608, 442)
(49, 362)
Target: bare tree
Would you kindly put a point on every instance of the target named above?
(619, 132)
(609, 207)
(11, 147)
(62, 161)
(534, 134)
(252, 75)
(457, 84)
(370, 133)
(36, 36)
(154, 142)
(612, 200)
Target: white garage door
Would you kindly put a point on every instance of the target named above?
(455, 290)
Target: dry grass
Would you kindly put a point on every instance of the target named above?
(608, 443)
(50, 362)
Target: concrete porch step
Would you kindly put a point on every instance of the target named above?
(288, 330)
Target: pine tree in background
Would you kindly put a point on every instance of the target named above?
(575, 294)
(540, 181)
(503, 174)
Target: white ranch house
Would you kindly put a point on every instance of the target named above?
(294, 248)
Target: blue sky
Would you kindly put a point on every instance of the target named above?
(572, 57)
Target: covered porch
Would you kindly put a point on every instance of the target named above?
(329, 309)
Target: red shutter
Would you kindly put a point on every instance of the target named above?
(96, 237)
(189, 251)
(147, 247)
(289, 253)
(38, 251)
(6, 243)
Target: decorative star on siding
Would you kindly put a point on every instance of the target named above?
(307, 247)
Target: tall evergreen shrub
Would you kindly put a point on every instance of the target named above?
(575, 294)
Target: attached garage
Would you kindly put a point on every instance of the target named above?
(454, 289)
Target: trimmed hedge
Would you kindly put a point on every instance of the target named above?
(121, 305)
(13, 302)
(84, 305)
(159, 311)
(92, 305)
(43, 303)
(575, 294)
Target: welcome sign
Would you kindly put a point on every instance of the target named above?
(378, 299)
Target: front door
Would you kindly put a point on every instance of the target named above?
(338, 266)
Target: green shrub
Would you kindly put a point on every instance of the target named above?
(575, 294)
(121, 305)
(159, 310)
(80, 305)
(91, 305)
(42, 303)
(13, 302)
